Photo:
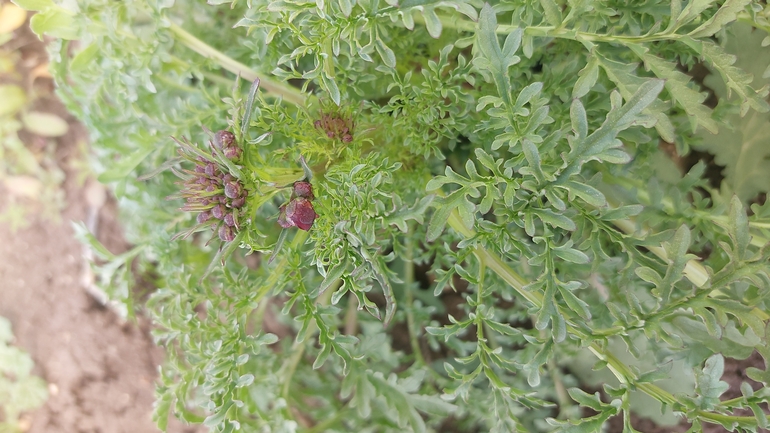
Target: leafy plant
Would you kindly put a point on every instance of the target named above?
(20, 391)
(486, 184)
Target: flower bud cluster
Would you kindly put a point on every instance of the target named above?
(208, 189)
(336, 127)
(299, 211)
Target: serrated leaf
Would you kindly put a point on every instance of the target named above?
(245, 380)
(554, 219)
(739, 227)
(331, 88)
(586, 79)
(54, 21)
(734, 76)
(725, 15)
(677, 85)
(742, 143)
(629, 83)
(125, 166)
(575, 304)
(552, 12)
(589, 194)
(708, 384)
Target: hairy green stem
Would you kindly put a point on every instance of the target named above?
(459, 23)
(408, 283)
(282, 90)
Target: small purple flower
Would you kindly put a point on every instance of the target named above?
(223, 139)
(203, 217)
(301, 213)
(233, 189)
(303, 189)
(226, 233)
(218, 211)
(229, 220)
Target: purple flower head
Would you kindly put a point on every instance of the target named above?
(229, 220)
(226, 233)
(303, 189)
(233, 189)
(203, 217)
(218, 211)
(301, 213)
(223, 139)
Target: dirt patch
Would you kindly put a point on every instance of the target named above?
(100, 369)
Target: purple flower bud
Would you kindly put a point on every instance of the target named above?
(282, 220)
(203, 217)
(317, 123)
(233, 152)
(227, 178)
(303, 189)
(210, 169)
(226, 233)
(229, 220)
(347, 138)
(223, 139)
(233, 189)
(238, 202)
(211, 188)
(218, 211)
(200, 169)
(300, 212)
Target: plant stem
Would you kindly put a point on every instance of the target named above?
(456, 22)
(282, 90)
(408, 283)
(298, 348)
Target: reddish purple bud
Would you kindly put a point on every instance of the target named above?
(227, 178)
(233, 152)
(238, 202)
(218, 211)
(330, 134)
(317, 123)
(210, 169)
(282, 220)
(233, 189)
(203, 217)
(211, 188)
(303, 189)
(347, 138)
(226, 233)
(300, 211)
(200, 169)
(223, 139)
(229, 220)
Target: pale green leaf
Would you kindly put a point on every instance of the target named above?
(45, 124)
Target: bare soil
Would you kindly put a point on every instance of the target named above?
(100, 369)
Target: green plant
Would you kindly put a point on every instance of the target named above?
(20, 391)
(506, 153)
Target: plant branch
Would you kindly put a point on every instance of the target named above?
(459, 23)
(621, 371)
(282, 90)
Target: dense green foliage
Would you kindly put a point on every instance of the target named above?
(503, 206)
